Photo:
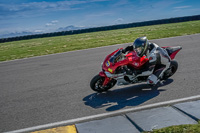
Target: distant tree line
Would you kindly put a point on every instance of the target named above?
(104, 28)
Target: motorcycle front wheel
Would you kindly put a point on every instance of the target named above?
(96, 84)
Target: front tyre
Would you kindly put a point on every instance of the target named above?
(96, 84)
(172, 69)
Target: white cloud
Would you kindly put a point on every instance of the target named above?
(39, 31)
(52, 23)
(121, 3)
(102, 14)
(16, 10)
(182, 7)
(36, 8)
(44, 5)
(49, 24)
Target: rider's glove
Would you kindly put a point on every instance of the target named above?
(123, 51)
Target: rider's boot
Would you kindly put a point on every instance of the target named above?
(152, 80)
(128, 71)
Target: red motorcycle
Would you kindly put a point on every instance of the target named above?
(127, 69)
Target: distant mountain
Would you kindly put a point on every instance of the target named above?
(15, 34)
(71, 27)
(24, 33)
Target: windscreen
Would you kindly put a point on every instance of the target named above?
(115, 57)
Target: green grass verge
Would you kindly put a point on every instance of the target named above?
(179, 129)
(50, 45)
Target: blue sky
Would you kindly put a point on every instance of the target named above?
(49, 15)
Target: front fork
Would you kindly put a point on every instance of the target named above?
(107, 80)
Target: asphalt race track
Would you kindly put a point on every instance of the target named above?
(54, 88)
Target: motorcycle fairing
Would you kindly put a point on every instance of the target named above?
(135, 61)
(110, 64)
(172, 51)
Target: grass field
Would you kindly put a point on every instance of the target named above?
(179, 129)
(50, 45)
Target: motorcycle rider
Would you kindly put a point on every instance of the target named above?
(159, 60)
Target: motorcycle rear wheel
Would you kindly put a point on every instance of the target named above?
(172, 69)
(96, 84)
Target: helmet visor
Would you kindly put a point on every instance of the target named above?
(139, 50)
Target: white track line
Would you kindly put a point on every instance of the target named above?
(104, 115)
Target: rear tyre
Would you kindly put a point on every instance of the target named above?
(172, 69)
(96, 84)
